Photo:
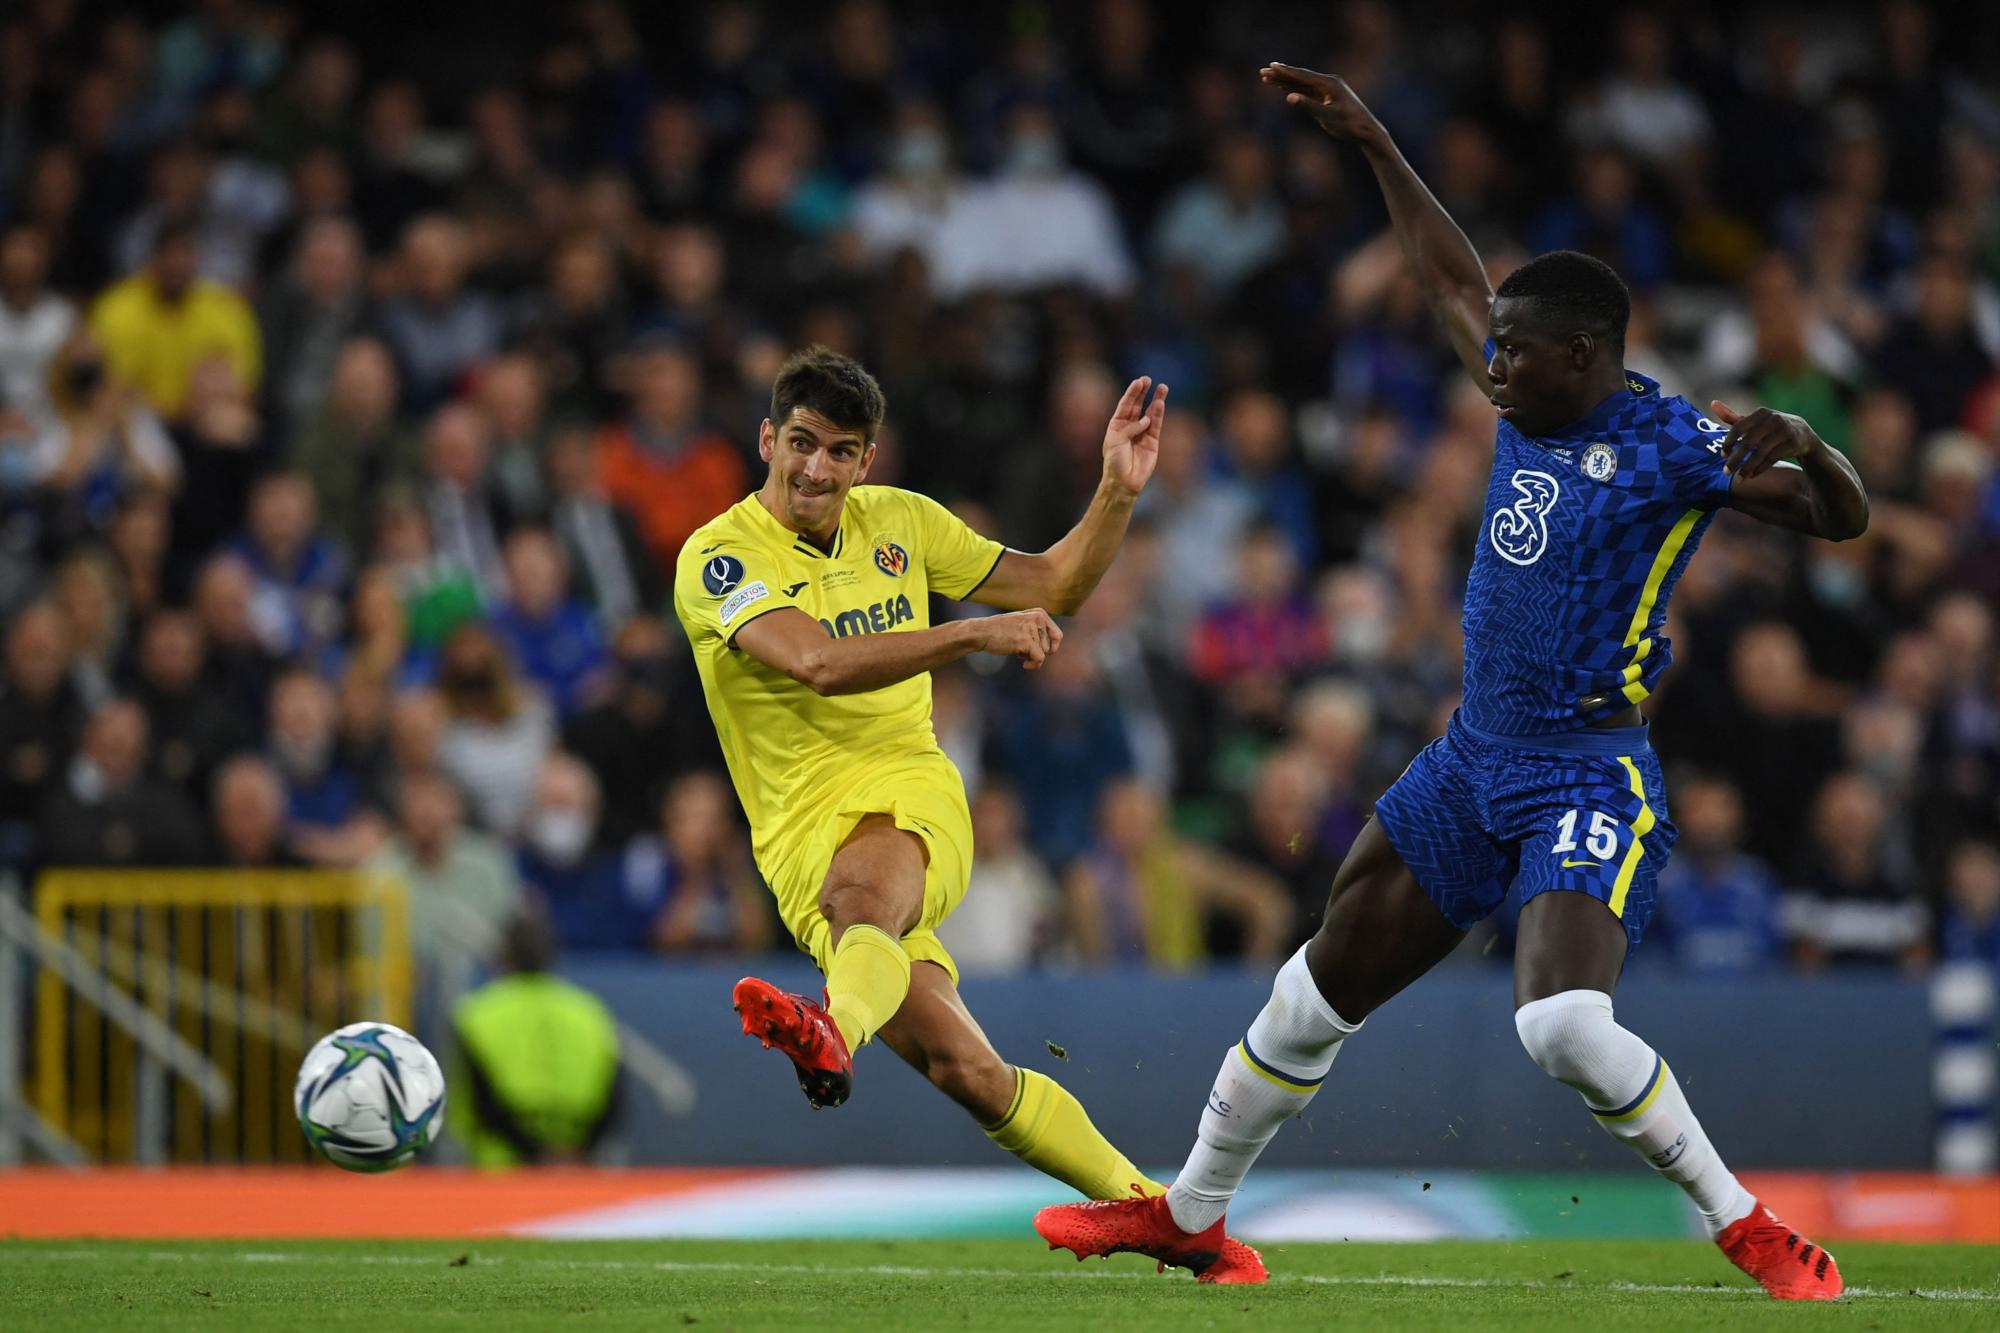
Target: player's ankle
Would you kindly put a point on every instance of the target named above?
(1192, 1213)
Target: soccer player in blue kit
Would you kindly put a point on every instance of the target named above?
(1544, 782)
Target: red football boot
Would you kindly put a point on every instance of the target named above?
(1785, 1264)
(804, 1031)
(1145, 1226)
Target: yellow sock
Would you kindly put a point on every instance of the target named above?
(1048, 1129)
(866, 981)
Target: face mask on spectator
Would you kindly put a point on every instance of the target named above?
(918, 153)
(86, 780)
(1362, 639)
(558, 836)
(1836, 583)
(1034, 154)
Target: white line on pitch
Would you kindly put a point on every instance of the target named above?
(899, 1270)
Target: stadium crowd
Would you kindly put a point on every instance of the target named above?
(360, 385)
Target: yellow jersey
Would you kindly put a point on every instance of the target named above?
(791, 752)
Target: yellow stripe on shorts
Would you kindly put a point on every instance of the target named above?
(1640, 828)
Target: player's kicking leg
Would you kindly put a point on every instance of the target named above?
(1379, 934)
(1566, 963)
(872, 897)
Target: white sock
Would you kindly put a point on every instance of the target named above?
(1266, 1079)
(1633, 1094)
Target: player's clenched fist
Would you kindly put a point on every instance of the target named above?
(1028, 635)
(1327, 98)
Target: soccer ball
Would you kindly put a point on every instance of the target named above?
(369, 1097)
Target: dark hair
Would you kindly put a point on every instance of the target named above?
(527, 943)
(834, 386)
(1574, 291)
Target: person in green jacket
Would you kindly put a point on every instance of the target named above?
(538, 1069)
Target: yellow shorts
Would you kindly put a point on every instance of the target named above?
(925, 797)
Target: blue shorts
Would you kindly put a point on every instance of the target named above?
(1477, 815)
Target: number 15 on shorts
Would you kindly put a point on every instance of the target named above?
(1601, 841)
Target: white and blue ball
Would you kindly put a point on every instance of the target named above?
(370, 1097)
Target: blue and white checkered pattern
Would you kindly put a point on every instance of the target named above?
(1476, 816)
(1584, 536)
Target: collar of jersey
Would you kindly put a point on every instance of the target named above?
(799, 544)
(1590, 422)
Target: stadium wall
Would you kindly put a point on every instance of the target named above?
(1789, 1073)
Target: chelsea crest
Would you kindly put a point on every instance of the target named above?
(1599, 462)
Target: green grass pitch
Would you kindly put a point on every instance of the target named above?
(507, 1284)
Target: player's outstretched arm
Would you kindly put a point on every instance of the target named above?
(1444, 263)
(1820, 494)
(792, 642)
(1063, 577)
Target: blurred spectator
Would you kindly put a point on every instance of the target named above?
(41, 715)
(299, 572)
(1850, 902)
(1971, 931)
(467, 514)
(1933, 356)
(1767, 727)
(577, 324)
(310, 316)
(515, 401)
(1639, 106)
(159, 324)
(695, 877)
(34, 321)
(556, 641)
(1266, 632)
(538, 1058)
(99, 443)
(353, 445)
(1284, 832)
(1718, 907)
(380, 648)
(1255, 433)
(462, 884)
(1228, 224)
(499, 729)
(1012, 910)
(238, 660)
(1064, 744)
(193, 724)
(105, 811)
(1143, 895)
(1196, 515)
(326, 822)
(662, 462)
(611, 568)
(440, 329)
(648, 729)
(1035, 223)
(1606, 217)
(917, 199)
(249, 816)
(578, 877)
(221, 442)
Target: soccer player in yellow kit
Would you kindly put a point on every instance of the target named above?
(807, 605)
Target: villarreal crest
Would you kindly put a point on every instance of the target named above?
(891, 559)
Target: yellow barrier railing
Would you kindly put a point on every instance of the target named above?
(247, 967)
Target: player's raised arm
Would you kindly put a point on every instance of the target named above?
(1819, 494)
(1063, 576)
(1444, 263)
(790, 641)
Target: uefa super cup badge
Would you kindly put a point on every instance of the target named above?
(1600, 462)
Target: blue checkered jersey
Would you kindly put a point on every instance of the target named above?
(1584, 535)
